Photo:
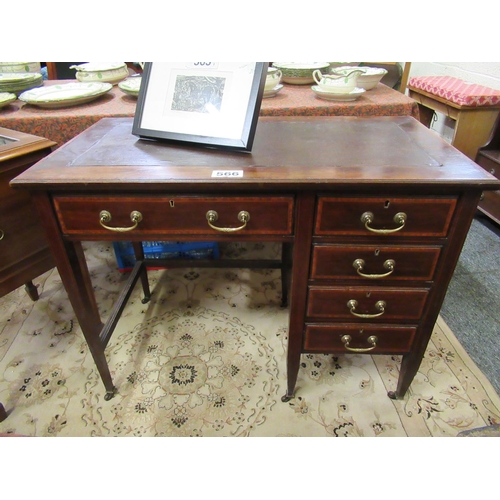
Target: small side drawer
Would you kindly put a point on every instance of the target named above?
(366, 303)
(370, 263)
(389, 339)
(490, 161)
(347, 216)
(175, 215)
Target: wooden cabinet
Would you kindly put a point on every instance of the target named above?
(372, 213)
(488, 158)
(24, 252)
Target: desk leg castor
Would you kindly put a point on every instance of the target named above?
(393, 395)
(286, 398)
(109, 394)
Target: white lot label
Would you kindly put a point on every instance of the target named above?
(227, 174)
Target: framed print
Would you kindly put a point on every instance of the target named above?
(215, 104)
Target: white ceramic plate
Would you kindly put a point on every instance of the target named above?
(18, 82)
(18, 77)
(330, 96)
(66, 94)
(131, 86)
(6, 98)
(272, 92)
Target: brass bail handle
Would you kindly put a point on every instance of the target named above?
(389, 264)
(105, 217)
(212, 216)
(380, 306)
(372, 339)
(368, 217)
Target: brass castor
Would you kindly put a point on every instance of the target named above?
(109, 394)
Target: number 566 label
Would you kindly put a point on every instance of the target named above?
(227, 174)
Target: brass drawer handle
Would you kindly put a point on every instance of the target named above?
(346, 339)
(380, 306)
(2, 234)
(389, 264)
(212, 216)
(368, 217)
(105, 216)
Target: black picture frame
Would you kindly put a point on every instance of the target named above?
(211, 104)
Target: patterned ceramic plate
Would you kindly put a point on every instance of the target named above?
(331, 96)
(131, 86)
(18, 82)
(67, 94)
(6, 98)
(18, 77)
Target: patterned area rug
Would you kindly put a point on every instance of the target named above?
(207, 357)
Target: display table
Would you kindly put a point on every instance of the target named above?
(374, 212)
(61, 125)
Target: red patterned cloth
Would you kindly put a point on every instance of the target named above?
(456, 90)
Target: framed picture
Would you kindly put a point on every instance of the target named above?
(215, 104)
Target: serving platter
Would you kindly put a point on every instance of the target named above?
(66, 94)
(331, 96)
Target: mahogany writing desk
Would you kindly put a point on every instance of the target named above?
(372, 214)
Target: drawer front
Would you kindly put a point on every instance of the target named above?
(493, 167)
(364, 262)
(359, 339)
(370, 216)
(21, 233)
(176, 215)
(366, 303)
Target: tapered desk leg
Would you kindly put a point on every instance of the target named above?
(72, 267)
(300, 275)
(286, 264)
(31, 290)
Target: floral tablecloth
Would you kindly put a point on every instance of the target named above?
(61, 125)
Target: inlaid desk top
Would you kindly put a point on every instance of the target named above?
(287, 152)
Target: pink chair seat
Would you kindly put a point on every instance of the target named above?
(456, 90)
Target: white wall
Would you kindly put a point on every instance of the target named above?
(483, 73)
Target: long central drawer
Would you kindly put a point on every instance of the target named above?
(174, 215)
